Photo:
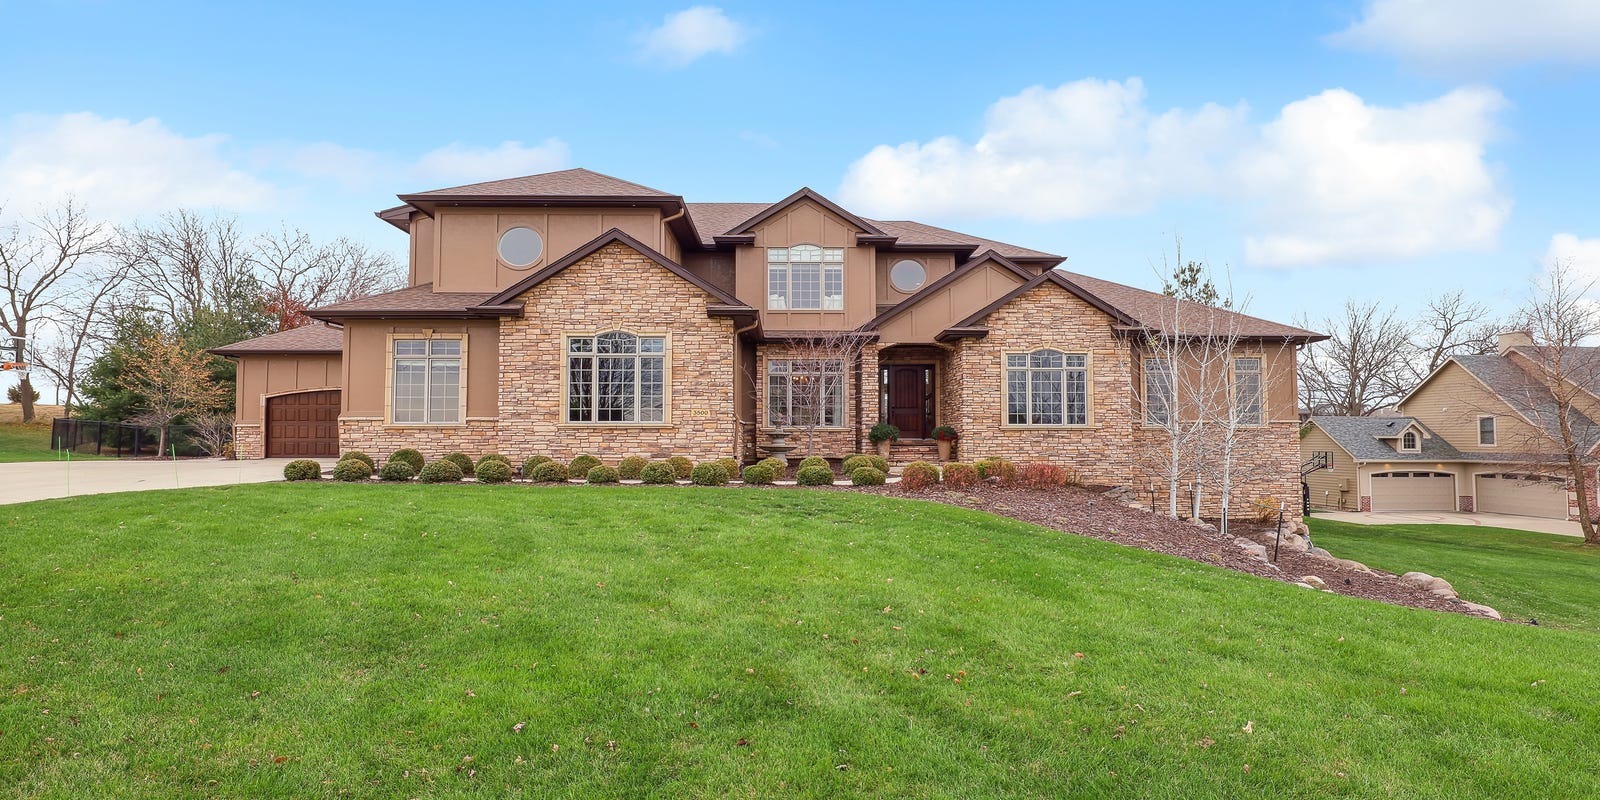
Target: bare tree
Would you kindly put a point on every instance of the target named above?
(1450, 325)
(187, 264)
(1365, 363)
(79, 326)
(39, 262)
(297, 275)
(1173, 369)
(172, 379)
(806, 386)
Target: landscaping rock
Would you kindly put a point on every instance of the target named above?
(1481, 610)
(1354, 565)
(1447, 594)
(1294, 544)
(1421, 580)
(1202, 524)
(1306, 586)
(1314, 582)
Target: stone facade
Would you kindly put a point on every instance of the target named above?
(249, 441)
(831, 442)
(371, 436)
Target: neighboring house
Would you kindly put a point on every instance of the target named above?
(1477, 434)
(573, 312)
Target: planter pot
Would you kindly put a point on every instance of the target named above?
(883, 447)
(944, 449)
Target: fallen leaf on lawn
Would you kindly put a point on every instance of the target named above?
(280, 759)
(517, 728)
(1207, 741)
(1249, 726)
(742, 743)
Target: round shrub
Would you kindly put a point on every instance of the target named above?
(397, 471)
(682, 467)
(493, 472)
(409, 456)
(352, 469)
(629, 468)
(759, 474)
(548, 472)
(919, 475)
(533, 461)
(440, 471)
(778, 465)
(709, 474)
(302, 470)
(495, 457)
(855, 462)
(462, 463)
(729, 465)
(582, 464)
(814, 476)
(601, 473)
(815, 461)
(359, 456)
(998, 468)
(960, 476)
(867, 476)
(658, 472)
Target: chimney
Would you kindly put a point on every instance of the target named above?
(1505, 341)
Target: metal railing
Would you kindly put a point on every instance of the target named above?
(123, 439)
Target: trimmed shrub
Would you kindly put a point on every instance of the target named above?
(1040, 475)
(359, 456)
(582, 464)
(959, 476)
(658, 472)
(602, 474)
(629, 468)
(814, 476)
(409, 456)
(531, 462)
(682, 467)
(496, 457)
(760, 473)
(397, 471)
(729, 465)
(815, 461)
(998, 468)
(779, 467)
(855, 462)
(440, 471)
(709, 474)
(493, 472)
(462, 463)
(883, 432)
(548, 471)
(867, 476)
(919, 475)
(351, 470)
(302, 470)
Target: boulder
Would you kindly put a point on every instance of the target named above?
(1421, 580)
(1481, 610)
(1306, 586)
(1317, 552)
(1293, 543)
(1256, 550)
(1441, 585)
(1355, 565)
(1314, 582)
(1446, 594)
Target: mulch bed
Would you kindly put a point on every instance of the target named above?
(1068, 510)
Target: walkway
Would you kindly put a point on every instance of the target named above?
(40, 480)
(1536, 524)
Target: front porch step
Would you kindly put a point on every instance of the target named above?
(906, 451)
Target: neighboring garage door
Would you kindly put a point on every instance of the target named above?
(1527, 495)
(1413, 491)
(303, 425)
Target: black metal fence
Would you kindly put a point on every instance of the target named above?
(123, 439)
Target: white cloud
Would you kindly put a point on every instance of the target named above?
(687, 35)
(118, 167)
(457, 163)
(1457, 34)
(1330, 179)
(1581, 256)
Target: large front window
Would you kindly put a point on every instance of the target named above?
(1158, 391)
(1047, 387)
(1247, 391)
(805, 393)
(805, 277)
(616, 377)
(426, 381)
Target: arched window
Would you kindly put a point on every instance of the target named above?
(805, 277)
(1408, 440)
(616, 377)
(1047, 387)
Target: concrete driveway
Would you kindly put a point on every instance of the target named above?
(1536, 524)
(41, 480)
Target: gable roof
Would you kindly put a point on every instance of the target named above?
(577, 182)
(1157, 311)
(1517, 389)
(614, 236)
(1362, 437)
(721, 219)
(970, 326)
(304, 340)
(804, 193)
(978, 261)
(420, 302)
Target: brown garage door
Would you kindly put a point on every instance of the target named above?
(303, 425)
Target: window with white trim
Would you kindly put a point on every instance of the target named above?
(1158, 391)
(1485, 430)
(1047, 387)
(805, 277)
(426, 381)
(616, 377)
(1247, 391)
(1408, 441)
(805, 392)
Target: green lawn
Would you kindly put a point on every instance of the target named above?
(30, 442)
(326, 640)
(1523, 575)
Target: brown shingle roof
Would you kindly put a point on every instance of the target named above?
(413, 301)
(306, 339)
(716, 219)
(566, 183)
(1156, 311)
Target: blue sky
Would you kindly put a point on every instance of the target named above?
(1376, 150)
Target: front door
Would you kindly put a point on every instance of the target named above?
(909, 388)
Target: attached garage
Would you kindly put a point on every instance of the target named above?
(1522, 494)
(303, 425)
(1413, 491)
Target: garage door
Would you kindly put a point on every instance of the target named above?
(1413, 491)
(303, 425)
(1527, 495)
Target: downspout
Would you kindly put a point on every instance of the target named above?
(738, 364)
(857, 371)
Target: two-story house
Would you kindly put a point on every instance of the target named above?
(573, 312)
(1478, 434)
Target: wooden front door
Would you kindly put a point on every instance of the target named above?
(303, 425)
(909, 392)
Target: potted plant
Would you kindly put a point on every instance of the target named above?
(945, 436)
(883, 435)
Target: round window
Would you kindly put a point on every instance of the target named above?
(520, 247)
(907, 275)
